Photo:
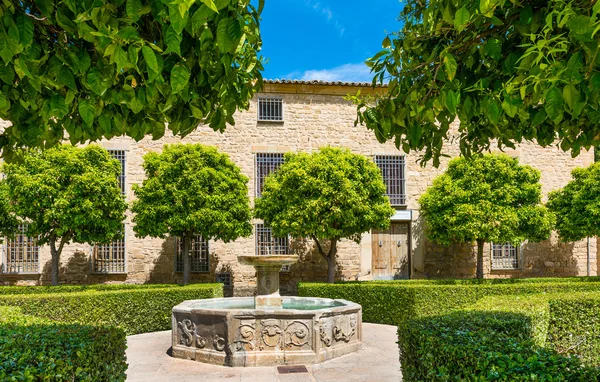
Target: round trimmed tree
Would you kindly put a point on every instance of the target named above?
(87, 69)
(327, 196)
(487, 198)
(577, 205)
(67, 194)
(190, 190)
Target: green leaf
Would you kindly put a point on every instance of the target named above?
(150, 58)
(386, 42)
(134, 8)
(493, 111)
(580, 24)
(177, 21)
(66, 78)
(452, 99)
(450, 66)
(461, 18)
(199, 18)
(58, 108)
(487, 7)
(4, 102)
(128, 33)
(493, 48)
(173, 41)
(180, 76)
(554, 103)
(539, 118)
(86, 111)
(46, 7)
(26, 29)
(121, 59)
(570, 95)
(229, 34)
(211, 4)
(7, 74)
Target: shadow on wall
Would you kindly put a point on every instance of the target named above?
(545, 259)
(78, 270)
(417, 232)
(311, 266)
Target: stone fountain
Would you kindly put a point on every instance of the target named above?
(267, 329)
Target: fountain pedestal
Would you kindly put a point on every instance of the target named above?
(267, 275)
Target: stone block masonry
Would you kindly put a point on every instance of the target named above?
(315, 115)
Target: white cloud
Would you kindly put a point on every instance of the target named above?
(327, 13)
(347, 72)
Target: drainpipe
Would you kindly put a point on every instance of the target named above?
(588, 257)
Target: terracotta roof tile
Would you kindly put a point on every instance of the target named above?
(318, 82)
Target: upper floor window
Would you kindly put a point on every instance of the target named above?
(21, 254)
(393, 169)
(505, 256)
(270, 109)
(198, 253)
(110, 258)
(265, 164)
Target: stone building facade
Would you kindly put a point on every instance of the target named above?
(304, 116)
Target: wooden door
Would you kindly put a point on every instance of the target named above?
(391, 252)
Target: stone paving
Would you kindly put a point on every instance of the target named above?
(377, 361)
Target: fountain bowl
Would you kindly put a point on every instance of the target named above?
(232, 332)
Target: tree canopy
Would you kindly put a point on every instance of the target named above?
(326, 196)
(67, 194)
(190, 190)
(509, 71)
(489, 198)
(577, 205)
(87, 69)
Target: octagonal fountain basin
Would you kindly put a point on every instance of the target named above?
(232, 332)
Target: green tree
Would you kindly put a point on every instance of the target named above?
(509, 71)
(190, 190)
(327, 196)
(89, 69)
(489, 198)
(577, 205)
(9, 223)
(67, 194)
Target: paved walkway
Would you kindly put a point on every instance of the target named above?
(377, 361)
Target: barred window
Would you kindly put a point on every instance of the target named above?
(505, 256)
(266, 163)
(270, 109)
(110, 258)
(21, 254)
(198, 253)
(225, 278)
(393, 170)
(267, 244)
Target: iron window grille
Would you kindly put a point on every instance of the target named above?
(270, 109)
(110, 258)
(265, 164)
(198, 253)
(393, 170)
(225, 278)
(505, 256)
(267, 244)
(21, 254)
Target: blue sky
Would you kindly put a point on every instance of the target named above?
(324, 39)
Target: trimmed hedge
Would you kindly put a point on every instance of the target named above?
(482, 346)
(135, 310)
(36, 349)
(78, 288)
(394, 303)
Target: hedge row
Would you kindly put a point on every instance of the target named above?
(395, 303)
(78, 288)
(135, 310)
(36, 349)
(483, 346)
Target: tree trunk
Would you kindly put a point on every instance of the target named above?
(480, 244)
(55, 252)
(329, 257)
(186, 258)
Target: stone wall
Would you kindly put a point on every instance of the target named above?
(316, 116)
